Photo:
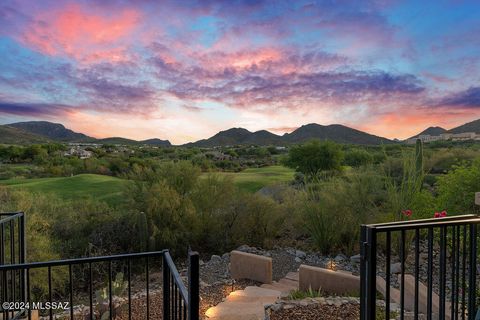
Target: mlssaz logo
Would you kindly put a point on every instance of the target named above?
(50, 305)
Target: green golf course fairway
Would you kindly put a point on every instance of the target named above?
(106, 188)
(254, 179)
(109, 189)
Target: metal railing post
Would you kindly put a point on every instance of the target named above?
(371, 278)
(363, 261)
(193, 286)
(166, 287)
(472, 309)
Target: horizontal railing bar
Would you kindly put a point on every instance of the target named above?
(10, 213)
(53, 263)
(176, 277)
(409, 222)
(11, 217)
(424, 225)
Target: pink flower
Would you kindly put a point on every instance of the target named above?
(443, 213)
(436, 215)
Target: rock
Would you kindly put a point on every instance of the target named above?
(396, 267)
(225, 256)
(275, 307)
(340, 258)
(298, 260)
(300, 254)
(355, 259)
(291, 251)
(201, 262)
(215, 258)
(243, 248)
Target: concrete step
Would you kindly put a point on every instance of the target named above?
(237, 311)
(249, 304)
(242, 298)
(279, 287)
(291, 283)
(292, 276)
(258, 291)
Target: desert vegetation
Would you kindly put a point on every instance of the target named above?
(314, 197)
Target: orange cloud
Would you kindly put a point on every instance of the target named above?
(77, 33)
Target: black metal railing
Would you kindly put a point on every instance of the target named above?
(127, 286)
(437, 274)
(12, 251)
(180, 303)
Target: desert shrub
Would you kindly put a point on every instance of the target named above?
(456, 190)
(358, 157)
(175, 208)
(260, 221)
(315, 157)
(333, 210)
(40, 244)
(443, 160)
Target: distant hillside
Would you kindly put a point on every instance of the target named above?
(473, 126)
(11, 135)
(43, 131)
(156, 142)
(116, 140)
(338, 133)
(334, 132)
(224, 138)
(433, 131)
(53, 131)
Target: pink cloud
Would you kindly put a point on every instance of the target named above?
(87, 37)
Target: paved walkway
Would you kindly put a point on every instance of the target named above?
(249, 304)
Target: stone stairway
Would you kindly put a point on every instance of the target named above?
(249, 304)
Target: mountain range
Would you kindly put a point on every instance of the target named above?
(44, 131)
(473, 126)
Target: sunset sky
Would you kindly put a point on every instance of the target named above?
(184, 70)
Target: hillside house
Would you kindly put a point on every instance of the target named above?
(78, 152)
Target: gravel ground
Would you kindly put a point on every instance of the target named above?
(319, 311)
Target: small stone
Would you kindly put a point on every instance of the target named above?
(225, 256)
(243, 248)
(355, 259)
(340, 258)
(300, 254)
(215, 258)
(298, 260)
(396, 267)
(276, 307)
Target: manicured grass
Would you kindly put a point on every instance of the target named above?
(254, 179)
(81, 186)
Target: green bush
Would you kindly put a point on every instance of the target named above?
(315, 157)
(456, 190)
(358, 157)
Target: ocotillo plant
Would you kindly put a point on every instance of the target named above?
(419, 161)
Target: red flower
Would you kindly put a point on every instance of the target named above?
(443, 213)
(407, 213)
(436, 215)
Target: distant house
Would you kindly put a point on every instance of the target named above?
(78, 151)
(465, 136)
(216, 155)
